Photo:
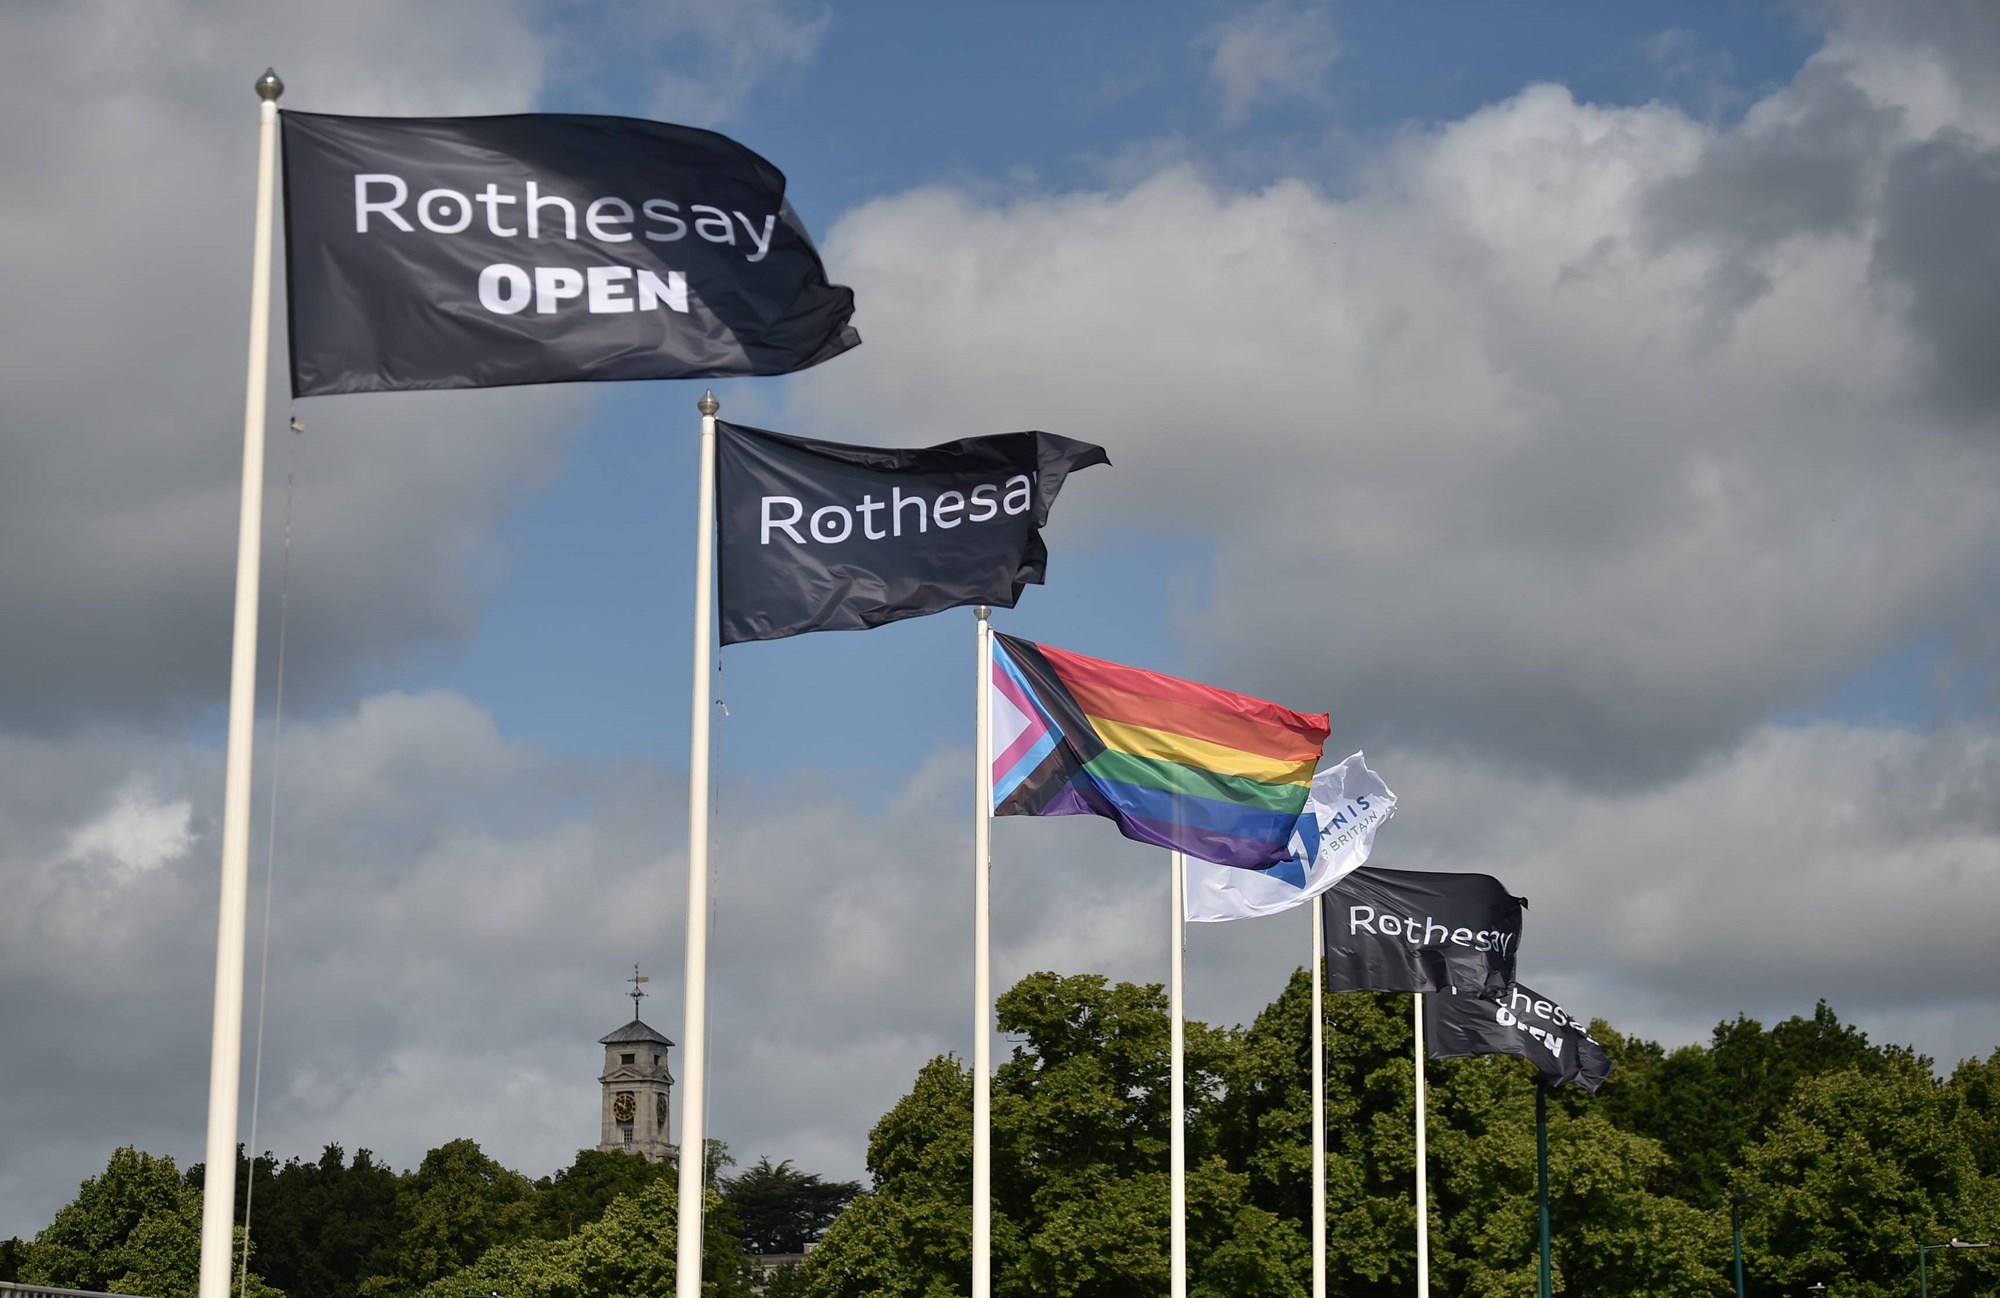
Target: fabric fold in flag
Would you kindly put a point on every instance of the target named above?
(1333, 836)
(1517, 1021)
(824, 536)
(479, 252)
(1214, 774)
(1420, 931)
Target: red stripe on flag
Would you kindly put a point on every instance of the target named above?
(1281, 732)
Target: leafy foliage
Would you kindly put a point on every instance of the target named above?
(1859, 1153)
(323, 1228)
(781, 1210)
(1872, 1150)
(136, 1229)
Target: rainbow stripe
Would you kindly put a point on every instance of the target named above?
(1218, 775)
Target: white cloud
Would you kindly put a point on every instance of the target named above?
(1483, 458)
(1275, 49)
(137, 833)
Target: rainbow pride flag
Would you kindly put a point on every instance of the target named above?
(1217, 775)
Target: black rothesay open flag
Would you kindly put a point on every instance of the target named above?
(471, 252)
(1419, 931)
(1520, 1023)
(821, 536)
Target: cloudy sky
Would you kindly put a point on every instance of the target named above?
(1599, 417)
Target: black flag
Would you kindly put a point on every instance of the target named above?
(1416, 931)
(1519, 1023)
(475, 252)
(818, 536)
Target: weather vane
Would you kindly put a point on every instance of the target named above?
(635, 993)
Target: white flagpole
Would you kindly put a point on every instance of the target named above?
(225, 1063)
(982, 988)
(1423, 1170)
(1318, 1109)
(1177, 1194)
(694, 1010)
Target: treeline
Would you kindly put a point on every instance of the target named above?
(458, 1223)
(1858, 1154)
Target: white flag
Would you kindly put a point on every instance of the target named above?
(1335, 833)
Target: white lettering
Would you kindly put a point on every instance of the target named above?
(504, 290)
(716, 220)
(555, 284)
(674, 293)
(659, 209)
(363, 206)
(605, 227)
(867, 509)
(1391, 926)
(898, 503)
(1021, 489)
(453, 202)
(764, 244)
(908, 512)
(783, 524)
(538, 200)
(948, 502)
(1355, 922)
(835, 512)
(492, 198)
(608, 292)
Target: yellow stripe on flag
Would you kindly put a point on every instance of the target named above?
(1164, 745)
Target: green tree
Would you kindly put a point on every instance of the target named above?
(579, 1194)
(135, 1229)
(322, 1228)
(1080, 1144)
(11, 1252)
(1709, 1104)
(1861, 1168)
(628, 1252)
(782, 1210)
(455, 1206)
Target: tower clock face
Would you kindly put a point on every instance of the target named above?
(660, 1112)
(624, 1106)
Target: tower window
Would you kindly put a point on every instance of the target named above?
(656, 1061)
(629, 1059)
(628, 1136)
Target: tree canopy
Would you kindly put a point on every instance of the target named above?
(1858, 1154)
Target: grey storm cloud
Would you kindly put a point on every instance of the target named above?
(1938, 252)
(125, 385)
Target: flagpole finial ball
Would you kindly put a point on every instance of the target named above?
(269, 87)
(708, 405)
(981, 611)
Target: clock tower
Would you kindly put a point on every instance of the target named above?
(635, 1086)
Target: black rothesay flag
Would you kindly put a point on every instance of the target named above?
(820, 536)
(1419, 931)
(1520, 1023)
(473, 252)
